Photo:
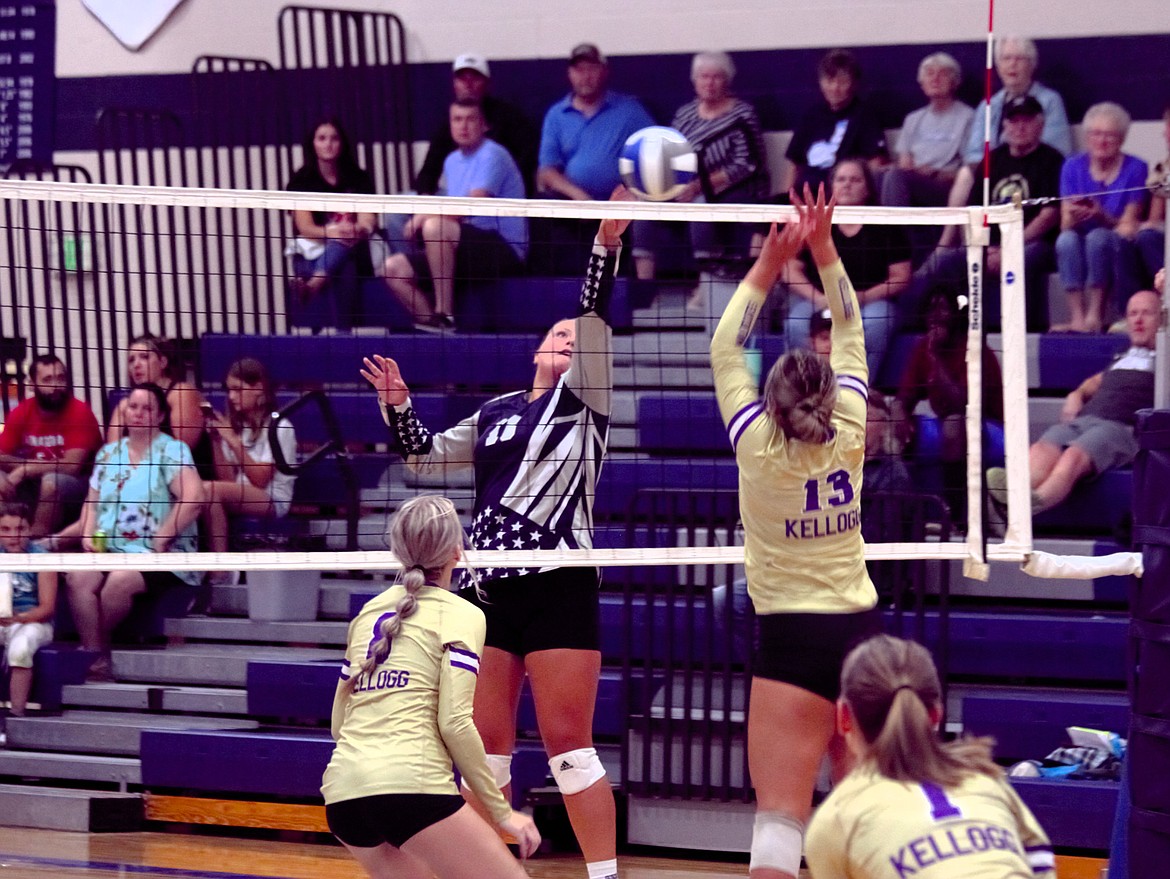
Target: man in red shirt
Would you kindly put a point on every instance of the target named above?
(48, 442)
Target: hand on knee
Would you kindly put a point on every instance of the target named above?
(575, 771)
(777, 841)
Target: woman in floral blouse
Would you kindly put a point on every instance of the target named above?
(144, 496)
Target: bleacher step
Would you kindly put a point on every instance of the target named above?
(259, 631)
(232, 600)
(87, 811)
(104, 732)
(70, 767)
(224, 665)
(151, 697)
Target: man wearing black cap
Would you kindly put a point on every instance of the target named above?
(584, 132)
(507, 126)
(1022, 167)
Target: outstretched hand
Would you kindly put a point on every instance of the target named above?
(817, 215)
(780, 245)
(384, 375)
(611, 229)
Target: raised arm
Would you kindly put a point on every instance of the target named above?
(423, 451)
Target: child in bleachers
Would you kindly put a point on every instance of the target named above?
(29, 625)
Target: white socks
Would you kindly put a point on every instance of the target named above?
(602, 869)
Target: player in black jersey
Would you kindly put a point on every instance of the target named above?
(536, 455)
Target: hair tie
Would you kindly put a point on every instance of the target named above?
(418, 568)
(909, 687)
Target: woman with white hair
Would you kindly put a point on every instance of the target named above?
(1103, 198)
(929, 151)
(1015, 62)
(725, 131)
(800, 452)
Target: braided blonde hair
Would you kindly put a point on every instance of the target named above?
(425, 534)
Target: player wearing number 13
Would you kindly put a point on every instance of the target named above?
(800, 453)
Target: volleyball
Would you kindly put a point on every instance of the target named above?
(657, 163)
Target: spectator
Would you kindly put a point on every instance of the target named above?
(34, 601)
(1015, 62)
(247, 481)
(46, 446)
(584, 132)
(462, 248)
(937, 373)
(330, 253)
(506, 124)
(1096, 429)
(725, 132)
(842, 127)
(820, 333)
(153, 360)
(1024, 168)
(144, 496)
(876, 258)
(1103, 196)
(929, 152)
(1151, 237)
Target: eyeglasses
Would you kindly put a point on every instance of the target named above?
(1104, 133)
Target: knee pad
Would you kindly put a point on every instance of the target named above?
(501, 769)
(777, 841)
(574, 771)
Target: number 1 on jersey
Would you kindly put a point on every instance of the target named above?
(838, 483)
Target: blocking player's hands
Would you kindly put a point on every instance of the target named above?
(383, 374)
(610, 231)
(780, 246)
(818, 214)
(523, 830)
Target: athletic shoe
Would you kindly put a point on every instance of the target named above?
(996, 502)
(101, 672)
(436, 323)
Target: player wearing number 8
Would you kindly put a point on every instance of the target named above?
(536, 456)
(800, 451)
(912, 802)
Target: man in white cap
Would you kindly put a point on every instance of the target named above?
(507, 125)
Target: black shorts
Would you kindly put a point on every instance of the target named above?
(553, 610)
(367, 822)
(807, 650)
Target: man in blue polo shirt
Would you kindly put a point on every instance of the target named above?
(584, 132)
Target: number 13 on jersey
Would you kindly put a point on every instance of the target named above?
(836, 488)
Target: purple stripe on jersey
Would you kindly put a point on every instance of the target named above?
(853, 383)
(743, 410)
(746, 424)
(474, 669)
(344, 676)
(474, 656)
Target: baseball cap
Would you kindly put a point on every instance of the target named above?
(1022, 105)
(820, 321)
(586, 52)
(472, 61)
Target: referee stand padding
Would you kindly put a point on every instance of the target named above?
(1149, 732)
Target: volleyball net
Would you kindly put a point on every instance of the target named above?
(89, 267)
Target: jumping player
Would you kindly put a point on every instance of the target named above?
(537, 455)
(913, 804)
(402, 713)
(800, 451)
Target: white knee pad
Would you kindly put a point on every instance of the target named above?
(501, 769)
(777, 841)
(574, 771)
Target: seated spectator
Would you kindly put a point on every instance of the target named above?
(144, 496)
(1024, 168)
(580, 141)
(247, 482)
(929, 152)
(820, 333)
(844, 126)
(34, 601)
(1103, 197)
(725, 131)
(509, 127)
(876, 258)
(462, 248)
(937, 374)
(330, 254)
(153, 360)
(1096, 430)
(47, 446)
(1151, 237)
(1015, 62)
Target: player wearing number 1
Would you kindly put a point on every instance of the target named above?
(915, 806)
(536, 456)
(800, 451)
